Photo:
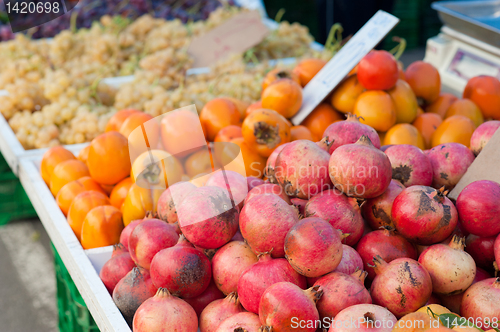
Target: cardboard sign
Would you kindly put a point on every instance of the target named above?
(236, 35)
(344, 61)
(485, 167)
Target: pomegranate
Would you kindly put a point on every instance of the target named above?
(453, 302)
(478, 208)
(264, 222)
(340, 211)
(268, 188)
(482, 135)
(217, 311)
(229, 263)
(271, 162)
(149, 237)
(482, 301)
(341, 291)
(385, 243)
(410, 165)
(118, 249)
(449, 163)
(402, 286)
(164, 313)
(115, 269)
(253, 182)
(258, 277)
(364, 318)
(350, 131)
(233, 183)
(313, 247)
(300, 204)
(171, 198)
(377, 211)
(184, 270)
(450, 267)
(131, 291)
(424, 215)
(207, 217)
(284, 305)
(360, 169)
(125, 234)
(351, 261)
(302, 169)
(481, 249)
(497, 252)
(241, 322)
(212, 293)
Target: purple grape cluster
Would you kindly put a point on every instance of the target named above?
(88, 11)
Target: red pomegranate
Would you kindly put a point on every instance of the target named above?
(258, 277)
(217, 311)
(115, 269)
(268, 188)
(313, 247)
(232, 182)
(402, 286)
(118, 249)
(385, 243)
(241, 322)
(253, 182)
(449, 163)
(169, 313)
(340, 211)
(229, 263)
(171, 198)
(264, 222)
(350, 131)
(341, 291)
(360, 169)
(207, 217)
(364, 318)
(378, 211)
(424, 215)
(302, 169)
(481, 301)
(478, 208)
(199, 303)
(125, 235)
(482, 135)
(351, 261)
(284, 304)
(497, 252)
(271, 162)
(300, 204)
(410, 165)
(482, 250)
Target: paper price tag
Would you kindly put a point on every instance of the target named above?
(236, 35)
(344, 61)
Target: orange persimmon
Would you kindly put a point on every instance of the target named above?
(320, 118)
(217, 114)
(53, 157)
(65, 172)
(69, 191)
(101, 227)
(120, 191)
(283, 96)
(81, 205)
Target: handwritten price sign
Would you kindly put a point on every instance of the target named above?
(236, 35)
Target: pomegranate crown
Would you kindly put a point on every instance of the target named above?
(353, 117)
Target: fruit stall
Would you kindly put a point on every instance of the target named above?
(199, 166)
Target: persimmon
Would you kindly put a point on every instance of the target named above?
(109, 160)
(378, 70)
(455, 129)
(404, 133)
(283, 96)
(101, 227)
(277, 74)
(217, 114)
(255, 106)
(427, 123)
(424, 80)
(156, 169)
(307, 69)
(241, 106)
(182, 132)
(420, 111)
(441, 104)
(83, 155)
(485, 92)
(116, 121)
(136, 121)
(264, 130)
(199, 162)
(65, 172)
(251, 161)
(226, 134)
(300, 132)
(434, 308)
(467, 108)
(53, 157)
(405, 102)
(376, 109)
(415, 322)
(320, 118)
(81, 205)
(345, 95)
(120, 191)
(139, 201)
(69, 191)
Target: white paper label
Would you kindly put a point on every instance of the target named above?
(344, 61)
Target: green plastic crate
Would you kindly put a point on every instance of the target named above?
(73, 313)
(14, 203)
(4, 167)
